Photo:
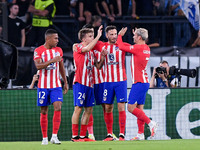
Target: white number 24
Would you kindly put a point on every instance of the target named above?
(81, 95)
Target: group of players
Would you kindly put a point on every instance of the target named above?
(99, 75)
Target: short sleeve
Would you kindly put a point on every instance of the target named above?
(37, 54)
(79, 48)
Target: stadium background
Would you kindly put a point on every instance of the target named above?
(19, 115)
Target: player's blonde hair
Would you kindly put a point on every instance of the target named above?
(83, 32)
(142, 32)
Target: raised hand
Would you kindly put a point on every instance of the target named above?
(99, 33)
(122, 31)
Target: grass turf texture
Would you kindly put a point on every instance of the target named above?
(177, 144)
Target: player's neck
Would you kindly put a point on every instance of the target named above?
(12, 16)
(140, 42)
(111, 43)
(47, 46)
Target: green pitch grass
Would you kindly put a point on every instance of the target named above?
(179, 144)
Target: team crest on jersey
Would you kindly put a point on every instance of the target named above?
(116, 48)
(111, 57)
(56, 53)
(41, 101)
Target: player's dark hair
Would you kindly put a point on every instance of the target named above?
(50, 31)
(83, 32)
(111, 27)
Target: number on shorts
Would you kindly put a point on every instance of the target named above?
(81, 96)
(105, 93)
(42, 95)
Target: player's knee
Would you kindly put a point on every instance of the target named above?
(44, 112)
(109, 109)
(57, 108)
(130, 108)
(89, 110)
(121, 106)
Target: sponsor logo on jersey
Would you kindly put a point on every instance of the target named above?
(112, 63)
(89, 66)
(51, 66)
(111, 57)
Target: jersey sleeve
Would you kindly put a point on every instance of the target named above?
(99, 46)
(123, 46)
(37, 54)
(61, 52)
(127, 47)
(79, 48)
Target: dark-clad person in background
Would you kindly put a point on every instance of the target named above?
(16, 27)
(43, 11)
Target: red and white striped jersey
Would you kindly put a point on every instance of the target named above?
(84, 64)
(139, 59)
(98, 73)
(49, 76)
(114, 62)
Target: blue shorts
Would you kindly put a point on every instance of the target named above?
(115, 88)
(138, 93)
(49, 96)
(83, 95)
(98, 93)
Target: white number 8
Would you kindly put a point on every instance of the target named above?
(105, 93)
